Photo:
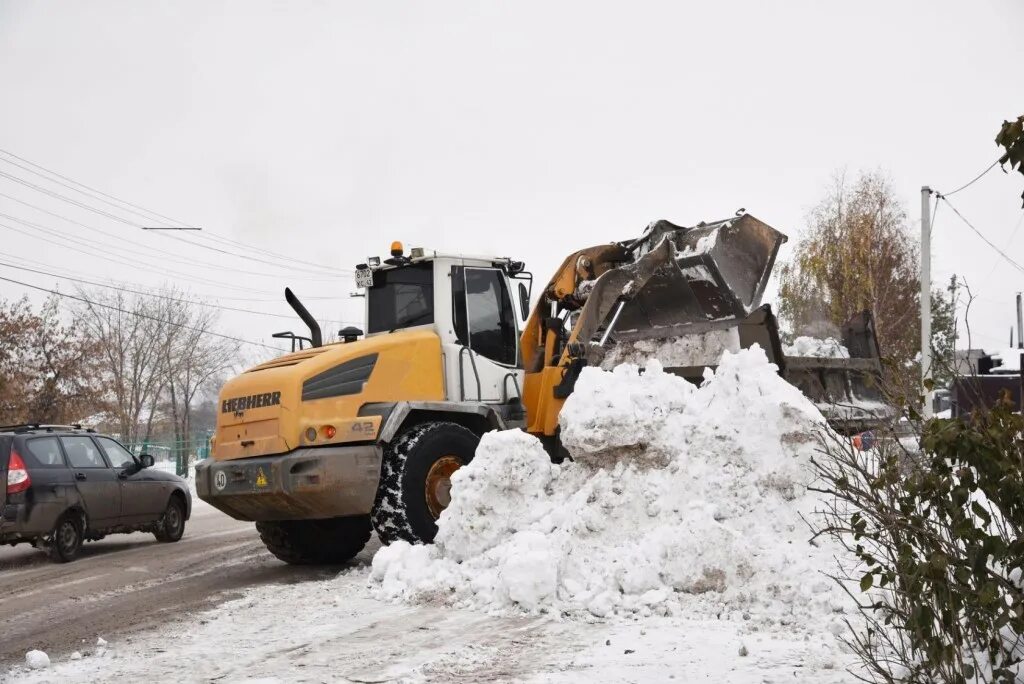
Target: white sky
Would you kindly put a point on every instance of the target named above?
(323, 131)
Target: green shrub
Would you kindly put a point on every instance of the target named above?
(936, 532)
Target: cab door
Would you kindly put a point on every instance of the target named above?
(97, 482)
(487, 334)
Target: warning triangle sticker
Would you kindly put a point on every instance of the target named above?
(261, 478)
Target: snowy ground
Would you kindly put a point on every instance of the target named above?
(674, 547)
(336, 631)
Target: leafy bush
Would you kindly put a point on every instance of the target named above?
(937, 533)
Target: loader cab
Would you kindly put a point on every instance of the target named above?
(475, 305)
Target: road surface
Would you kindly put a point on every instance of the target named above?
(126, 583)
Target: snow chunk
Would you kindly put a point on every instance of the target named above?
(37, 660)
(828, 348)
(679, 500)
(1009, 361)
(701, 349)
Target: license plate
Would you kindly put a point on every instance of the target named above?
(364, 278)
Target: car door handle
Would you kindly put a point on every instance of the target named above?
(81, 477)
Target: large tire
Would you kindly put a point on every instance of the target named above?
(172, 524)
(66, 538)
(316, 542)
(415, 480)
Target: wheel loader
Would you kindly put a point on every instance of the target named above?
(325, 444)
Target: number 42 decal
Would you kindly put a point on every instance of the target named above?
(363, 426)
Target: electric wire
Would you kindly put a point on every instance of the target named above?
(59, 196)
(126, 283)
(973, 180)
(159, 253)
(977, 232)
(91, 194)
(159, 218)
(98, 192)
(162, 296)
(86, 248)
(141, 315)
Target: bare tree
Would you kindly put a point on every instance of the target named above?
(129, 332)
(193, 359)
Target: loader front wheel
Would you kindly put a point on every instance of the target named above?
(316, 542)
(415, 480)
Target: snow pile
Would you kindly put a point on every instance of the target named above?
(37, 660)
(680, 501)
(828, 348)
(1009, 360)
(700, 349)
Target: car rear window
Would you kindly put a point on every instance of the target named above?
(45, 451)
(83, 452)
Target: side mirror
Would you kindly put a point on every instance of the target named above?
(524, 301)
(146, 460)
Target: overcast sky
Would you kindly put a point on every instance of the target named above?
(323, 131)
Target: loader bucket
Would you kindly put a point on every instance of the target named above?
(682, 280)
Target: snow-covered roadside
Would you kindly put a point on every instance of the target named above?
(673, 547)
(336, 631)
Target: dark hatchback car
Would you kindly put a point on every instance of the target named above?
(62, 485)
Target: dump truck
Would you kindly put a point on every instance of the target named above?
(324, 445)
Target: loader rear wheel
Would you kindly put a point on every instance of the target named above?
(316, 542)
(415, 480)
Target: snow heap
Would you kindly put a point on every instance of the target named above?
(1009, 360)
(679, 501)
(701, 349)
(828, 348)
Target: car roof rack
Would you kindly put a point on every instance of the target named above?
(30, 427)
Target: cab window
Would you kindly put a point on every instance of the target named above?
(483, 313)
(401, 298)
(83, 453)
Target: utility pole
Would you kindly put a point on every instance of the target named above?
(926, 299)
(1020, 324)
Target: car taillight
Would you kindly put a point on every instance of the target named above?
(18, 479)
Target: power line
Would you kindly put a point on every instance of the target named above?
(133, 224)
(141, 315)
(160, 296)
(159, 218)
(234, 243)
(99, 192)
(973, 180)
(979, 234)
(218, 297)
(318, 275)
(89, 192)
(160, 253)
(86, 248)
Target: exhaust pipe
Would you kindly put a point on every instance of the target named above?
(315, 337)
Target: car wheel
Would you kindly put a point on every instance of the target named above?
(415, 480)
(172, 525)
(66, 539)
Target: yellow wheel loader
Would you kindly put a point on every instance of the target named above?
(323, 445)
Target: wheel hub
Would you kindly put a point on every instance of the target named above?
(172, 521)
(439, 484)
(66, 536)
